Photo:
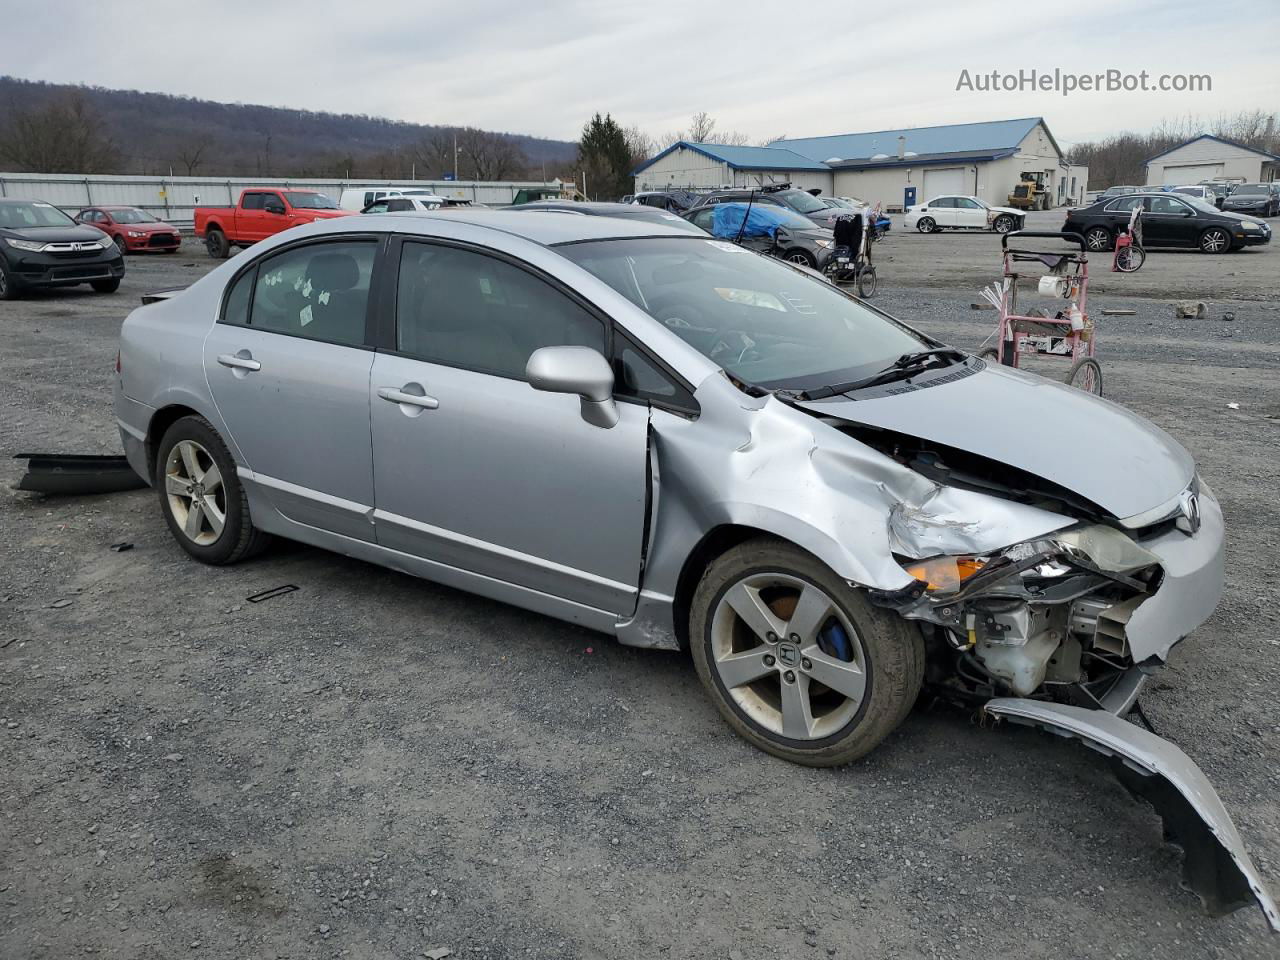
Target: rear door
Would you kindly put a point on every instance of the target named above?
(943, 211)
(479, 471)
(288, 365)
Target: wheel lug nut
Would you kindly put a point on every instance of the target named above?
(771, 637)
(768, 661)
(795, 638)
(789, 676)
(807, 663)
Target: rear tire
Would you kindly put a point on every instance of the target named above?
(215, 241)
(872, 659)
(105, 286)
(194, 472)
(1097, 239)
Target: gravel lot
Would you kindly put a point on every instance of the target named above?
(376, 767)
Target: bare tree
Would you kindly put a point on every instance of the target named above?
(640, 144)
(193, 153)
(701, 127)
(64, 136)
(488, 156)
(433, 154)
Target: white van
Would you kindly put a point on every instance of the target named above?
(360, 197)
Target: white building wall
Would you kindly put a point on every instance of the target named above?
(174, 198)
(1206, 159)
(684, 168)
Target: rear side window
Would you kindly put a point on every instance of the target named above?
(254, 201)
(467, 309)
(320, 291)
(398, 205)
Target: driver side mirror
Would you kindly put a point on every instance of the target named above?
(579, 370)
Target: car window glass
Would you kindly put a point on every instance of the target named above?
(1124, 204)
(379, 207)
(943, 202)
(236, 308)
(703, 219)
(467, 309)
(319, 291)
(254, 201)
(399, 204)
(638, 376)
(967, 204)
(1167, 205)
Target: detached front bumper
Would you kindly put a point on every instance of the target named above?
(1215, 865)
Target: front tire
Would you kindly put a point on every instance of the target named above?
(201, 497)
(926, 225)
(1215, 240)
(799, 663)
(9, 289)
(105, 286)
(799, 257)
(121, 246)
(1004, 224)
(1097, 239)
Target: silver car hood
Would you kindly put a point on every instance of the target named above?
(1097, 449)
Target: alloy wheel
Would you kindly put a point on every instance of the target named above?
(788, 656)
(196, 495)
(1097, 239)
(1213, 241)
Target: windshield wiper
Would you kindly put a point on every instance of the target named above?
(907, 365)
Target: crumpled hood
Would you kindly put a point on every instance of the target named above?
(1097, 449)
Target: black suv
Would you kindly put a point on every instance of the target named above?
(780, 194)
(40, 246)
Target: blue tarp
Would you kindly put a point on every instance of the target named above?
(761, 221)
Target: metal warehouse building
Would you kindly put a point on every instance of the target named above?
(890, 167)
(1208, 158)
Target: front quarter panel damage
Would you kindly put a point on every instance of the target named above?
(1215, 863)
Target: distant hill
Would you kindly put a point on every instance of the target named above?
(153, 132)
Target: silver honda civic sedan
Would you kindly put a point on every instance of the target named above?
(665, 437)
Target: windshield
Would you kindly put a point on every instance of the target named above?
(19, 216)
(132, 215)
(310, 201)
(799, 200)
(1204, 206)
(1251, 189)
(762, 321)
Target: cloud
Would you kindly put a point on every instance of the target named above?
(544, 68)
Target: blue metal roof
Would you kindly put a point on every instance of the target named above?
(742, 158)
(991, 137)
(1210, 136)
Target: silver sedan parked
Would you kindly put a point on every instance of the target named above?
(667, 438)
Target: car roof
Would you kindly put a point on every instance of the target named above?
(547, 227)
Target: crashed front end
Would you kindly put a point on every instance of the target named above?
(1079, 616)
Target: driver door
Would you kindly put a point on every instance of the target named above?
(969, 213)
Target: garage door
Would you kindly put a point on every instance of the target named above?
(949, 180)
(1192, 173)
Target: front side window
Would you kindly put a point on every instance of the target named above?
(467, 309)
(132, 215)
(966, 203)
(1124, 205)
(320, 291)
(762, 321)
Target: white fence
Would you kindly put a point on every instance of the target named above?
(175, 198)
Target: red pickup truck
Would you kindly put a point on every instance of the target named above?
(262, 212)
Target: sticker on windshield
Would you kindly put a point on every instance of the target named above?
(727, 247)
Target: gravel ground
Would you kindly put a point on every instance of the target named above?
(374, 766)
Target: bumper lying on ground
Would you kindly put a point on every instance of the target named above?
(1215, 863)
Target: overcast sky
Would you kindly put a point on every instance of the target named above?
(765, 69)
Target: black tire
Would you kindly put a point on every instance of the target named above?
(121, 246)
(9, 289)
(890, 648)
(239, 539)
(1097, 239)
(801, 257)
(990, 354)
(215, 242)
(105, 286)
(867, 281)
(1131, 259)
(1003, 224)
(1086, 374)
(1215, 240)
(927, 225)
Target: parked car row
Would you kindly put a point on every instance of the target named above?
(1261, 199)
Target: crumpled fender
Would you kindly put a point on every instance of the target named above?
(1215, 863)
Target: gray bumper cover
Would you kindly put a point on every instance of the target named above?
(1215, 863)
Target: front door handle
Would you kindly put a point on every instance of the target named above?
(238, 362)
(411, 394)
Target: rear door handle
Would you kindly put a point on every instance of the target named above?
(238, 362)
(412, 399)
